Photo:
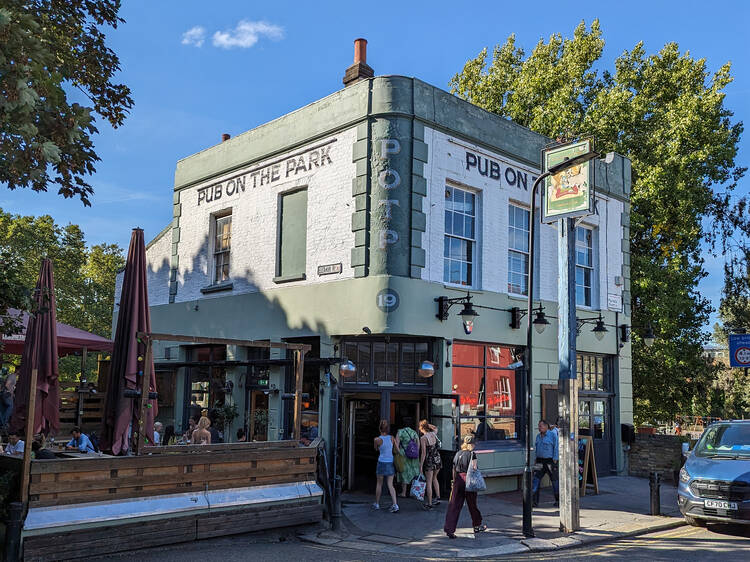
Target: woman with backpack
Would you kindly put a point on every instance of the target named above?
(410, 446)
(430, 462)
(461, 462)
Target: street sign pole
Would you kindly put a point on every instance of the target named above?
(567, 391)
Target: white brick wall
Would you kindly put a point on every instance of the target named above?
(254, 225)
(447, 166)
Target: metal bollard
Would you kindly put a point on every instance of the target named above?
(654, 479)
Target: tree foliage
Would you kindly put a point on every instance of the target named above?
(666, 113)
(47, 49)
(84, 277)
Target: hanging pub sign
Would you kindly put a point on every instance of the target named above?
(570, 192)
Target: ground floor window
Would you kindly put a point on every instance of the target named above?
(387, 360)
(489, 392)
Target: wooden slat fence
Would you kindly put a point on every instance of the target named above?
(167, 471)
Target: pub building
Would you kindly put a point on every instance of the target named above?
(340, 225)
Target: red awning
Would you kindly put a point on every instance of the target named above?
(69, 339)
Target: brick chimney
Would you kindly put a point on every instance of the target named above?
(360, 70)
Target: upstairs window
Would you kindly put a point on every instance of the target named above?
(460, 236)
(584, 265)
(518, 250)
(222, 248)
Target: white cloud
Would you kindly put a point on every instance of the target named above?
(194, 36)
(246, 34)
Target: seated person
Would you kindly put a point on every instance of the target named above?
(201, 435)
(80, 442)
(15, 445)
(158, 428)
(241, 437)
(41, 453)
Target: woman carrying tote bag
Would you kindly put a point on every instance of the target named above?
(464, 461)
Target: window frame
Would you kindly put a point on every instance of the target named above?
(590, 269)
(473, 263)
(372, 363)
(215, 252)
(519, 380)
(512, 250)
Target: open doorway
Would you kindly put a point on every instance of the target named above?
(363, 416)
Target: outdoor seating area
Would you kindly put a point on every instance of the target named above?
(121, 486)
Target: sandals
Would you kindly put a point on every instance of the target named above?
(481, 528)
(450, 535)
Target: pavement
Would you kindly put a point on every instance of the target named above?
(619, 510)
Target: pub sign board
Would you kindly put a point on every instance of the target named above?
(569, 193)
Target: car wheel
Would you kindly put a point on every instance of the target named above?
(694, 521)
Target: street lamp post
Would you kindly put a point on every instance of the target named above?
(528, 529)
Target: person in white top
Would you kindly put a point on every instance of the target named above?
(158, 427)
(385, 446)
(15, 445)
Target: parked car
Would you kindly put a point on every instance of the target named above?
(715, 481)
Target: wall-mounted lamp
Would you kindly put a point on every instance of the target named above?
(648, 334)
(426, 369)
(468, 314)
(540, 321)
(347, 369)
(599, 329)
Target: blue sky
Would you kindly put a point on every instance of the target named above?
(288, 54)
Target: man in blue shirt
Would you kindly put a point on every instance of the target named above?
(547, 455)
(80, 442)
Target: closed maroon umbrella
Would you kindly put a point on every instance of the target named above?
(40, 353)
(128, 355)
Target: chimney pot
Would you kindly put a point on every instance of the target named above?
(360, 50)
(360, 70)
(225, 137)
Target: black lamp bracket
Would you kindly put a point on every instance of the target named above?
(581, 322)
(445, 304)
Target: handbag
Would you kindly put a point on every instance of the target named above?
(395, 450)
(418, 487)
(399, 462)
(474, 479)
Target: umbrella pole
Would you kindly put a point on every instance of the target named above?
(29, 437)
(299, 366)
(145, 387)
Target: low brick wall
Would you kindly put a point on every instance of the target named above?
(655, 453)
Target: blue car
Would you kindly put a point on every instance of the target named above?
(715, 481)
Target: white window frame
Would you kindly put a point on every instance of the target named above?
(591, 268)
(217, 252)
(473, 242)
(512, 250)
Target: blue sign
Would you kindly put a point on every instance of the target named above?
(739, 350)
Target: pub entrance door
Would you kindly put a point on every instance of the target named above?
(363, 417)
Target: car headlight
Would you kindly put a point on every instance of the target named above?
(684, 475)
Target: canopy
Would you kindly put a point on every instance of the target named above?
(69, 339)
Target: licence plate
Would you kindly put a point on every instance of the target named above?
(720, 504)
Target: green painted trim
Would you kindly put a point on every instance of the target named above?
(217, 288)
(290, 277)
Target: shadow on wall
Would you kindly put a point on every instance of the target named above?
(200, 276)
